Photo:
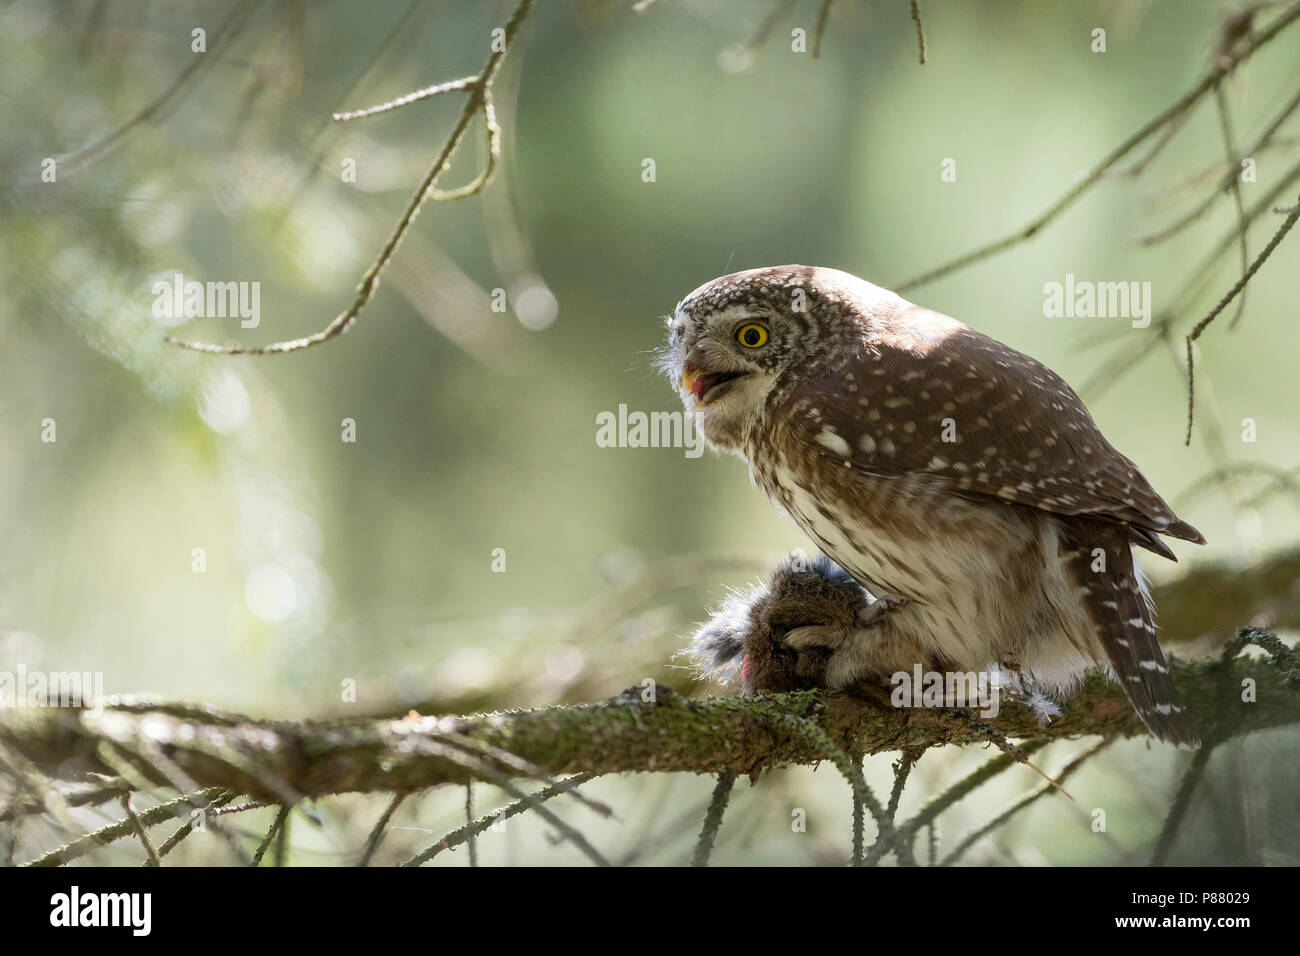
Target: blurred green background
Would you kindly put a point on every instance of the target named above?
(328, 561)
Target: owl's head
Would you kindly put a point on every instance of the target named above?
(735, 341)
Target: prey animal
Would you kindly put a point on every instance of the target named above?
(961, 483)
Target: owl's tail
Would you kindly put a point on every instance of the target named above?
(1117, 602)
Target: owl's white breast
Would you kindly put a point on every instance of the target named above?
(984, 589)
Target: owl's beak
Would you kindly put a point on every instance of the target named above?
(705, 386)
(690, 377)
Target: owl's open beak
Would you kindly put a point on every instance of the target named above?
(706, 386)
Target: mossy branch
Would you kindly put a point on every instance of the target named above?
(736, 735)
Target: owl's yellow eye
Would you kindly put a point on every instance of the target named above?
(751, 336)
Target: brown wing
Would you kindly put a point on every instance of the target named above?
(925, 395)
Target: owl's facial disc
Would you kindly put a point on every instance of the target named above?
(723, 360)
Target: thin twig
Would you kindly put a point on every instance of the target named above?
(1024, 802)
(1223, 303)
(859, 820)
(915, 6)
(970, 782)
(471, 843)
(1254, 266)
(504, 782)
(1279, 480)
(1165, 138)
(461, 834)
(398, 35)
(479, 99)
(282, 844)
(778, 12)
(1211, 427)
(902, 848)
(11, 845)
(1230, 152)
(1007, 747)
(150, 853)
(379, 829)
(1127, 356)
(115, 831)
(451, 86)
(150, 753)
(186, 828)
(225, 32)
(1231, 175)
(713, 818)
(823, 16)
(72, 795)
(517, 763)
(117, 758)
(270, 835)
(1182, 800)
(37, 788)
(902, 770)
(852, 773)
(227, 810)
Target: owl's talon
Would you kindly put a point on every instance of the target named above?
(881, 607)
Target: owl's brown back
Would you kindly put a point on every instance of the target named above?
(922, 394)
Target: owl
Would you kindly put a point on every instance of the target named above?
(961, 483)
